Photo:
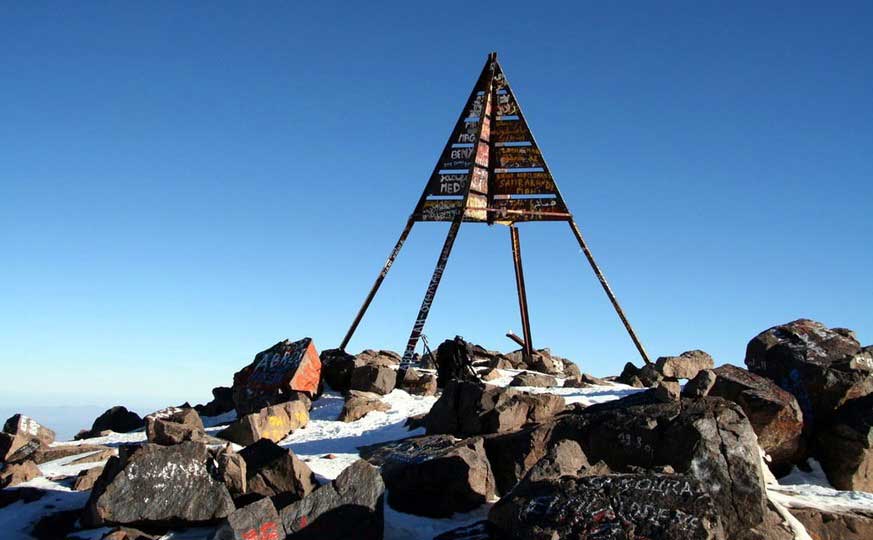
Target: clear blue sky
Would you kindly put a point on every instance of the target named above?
(183, 186)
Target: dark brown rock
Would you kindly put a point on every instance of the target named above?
(255, 521)
(117, 419)
(17, 473)
(834, 525)
(416, 383)
(685, 366)
(222, 402)
(27, 427)
(127, 533)
(376, 379)
(845, 446)
(274, 423)
(358, 404)
(529, 378)
(370, 357)
(630, 376)
(700, 385)
(85, 479)
(822, 368)
(18, 448)
(666, 391)
(337, 366)
(273, 471)
(232, 470)
(435, 475)
(174, 425)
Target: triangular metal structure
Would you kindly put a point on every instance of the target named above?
(490, 171)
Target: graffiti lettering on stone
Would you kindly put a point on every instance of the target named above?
(267, 531)
(274, 365)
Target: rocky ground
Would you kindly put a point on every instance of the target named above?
(512, 449)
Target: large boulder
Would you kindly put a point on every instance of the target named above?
(370, 357)
(26, 427)
(117, 419)
(273, 471)
(222, 402)
(845, 446)
(434, 475)
(256, 521)
(86, 479)
(621, 506)
(276, 375)
(684, 366)
(774, 413)
(472, 408)
(373, 378)
(18, 448)
(415, 382)
(822, 367)
(835, 523)
(17, 473)
(153, 485)
(336, 369)
(349, 507)
(274, 423)
(513, 454)
(174, 425)
(358, 404)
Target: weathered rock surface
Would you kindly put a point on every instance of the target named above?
(834, 525)
(17, 473)
(158, 485)
(276, 375)
(274, 423)
(222, 402)
(46, 454)
(18, 448)
(563, 459)
(416, 383)
(472, 408)
(273, 471)
(174, 425)
(621, 506)
(231, 470)
(490, 374)
(358, 404)
(823, 368)
(529, 378)
(630, 376)
(435, 475)
(255, 521)
(685, 366)
(666, 391)
(845, 446)
(117, 419)
(349, 507)
(127, 533)
(774, 413)
(86, 479)
(336, 369)
(371, 378)
(512, 454)
(700, 385)
(26, 427)
(370, 357)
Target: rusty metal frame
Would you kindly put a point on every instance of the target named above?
(522, 292)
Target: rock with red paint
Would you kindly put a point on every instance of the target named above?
(256, 521)
(276, 374)
(174, 425)
(349, 507)
(154, 485)
(273, 471)
(274, 423)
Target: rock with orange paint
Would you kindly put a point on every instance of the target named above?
(254, 521)
(274, 423)
(276, 374)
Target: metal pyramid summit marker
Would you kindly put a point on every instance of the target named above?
(490, 171)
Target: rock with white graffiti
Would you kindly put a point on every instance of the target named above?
(28, 428)
(823, 367)
(277, 374)
(618, 506)
(153, 485)
(273, 423)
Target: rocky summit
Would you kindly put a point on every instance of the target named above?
(473, 444)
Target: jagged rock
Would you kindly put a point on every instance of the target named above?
(471, 408)
(823, 368)
(358, 404)
(349, 507)
(416, 383)
(255, 521)
(17, 473)
(512, 454)
(376, 379)
(274, 423)
(117, 419)
(27, 427)
(529, 378)
(276, 375)
(435, 475)
(563, 459)
(454, 359)
(370, 357)
(710, 439)
(18, 448)
(543, 362)
(834, 524)
(845, 446)
(222, 402)
(158, 485)
(650, 376)
(572, 371)
(232, 470)
(774, 413)
(501, 362)
(666, 391)
(630, 376)
(46, 454)
(336, 369)
(85, 479)
(96, 457)
(174, 425)
(685, 366)
(273, 471)
(621, 506)
(700, 385)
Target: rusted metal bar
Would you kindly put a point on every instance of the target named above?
(516, 339)
(379, 279)
(522, 293)
(608, 290)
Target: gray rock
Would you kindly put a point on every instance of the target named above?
(666, 391)
(700, 385)
(117, 419)
(685, 366)
(174, 425)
